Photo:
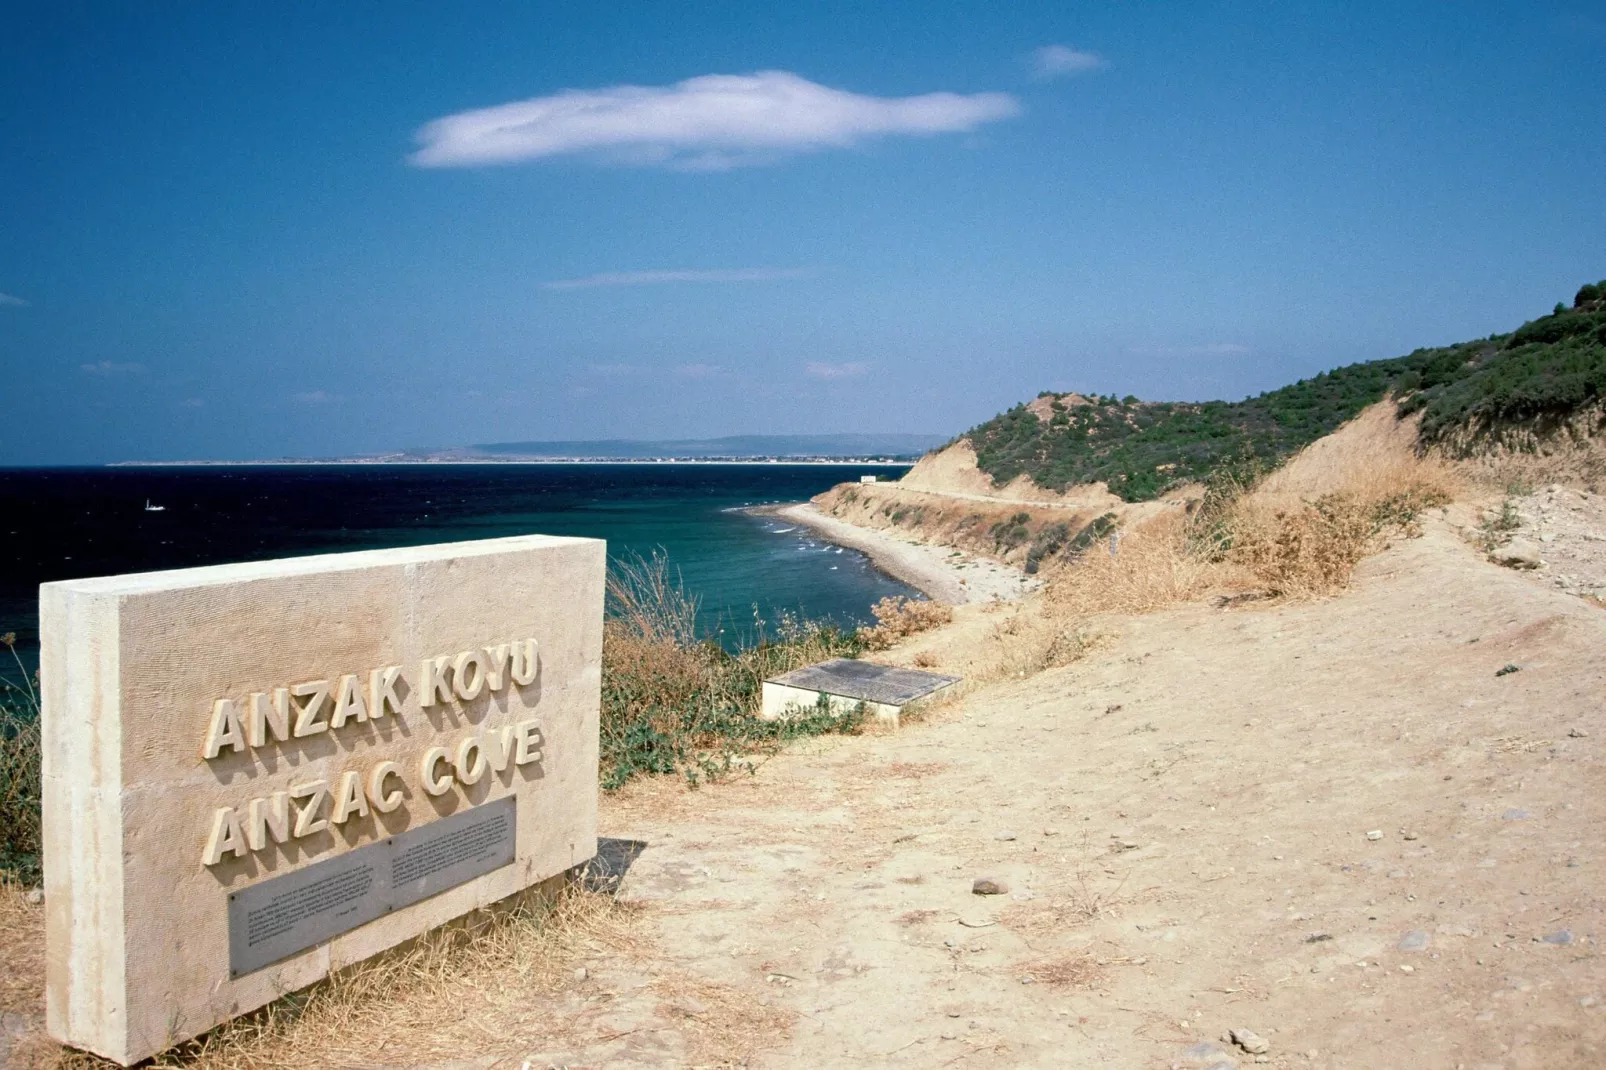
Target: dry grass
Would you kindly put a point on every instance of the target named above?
(721, 1025)
(897, 618)
(1153, 567)
(22, 950)
(1297, 533)
(649, 602)
(917, 917)
(915, 770)
(20, 757)
(1302, 531)
(1067, 971)
(672, 704)
(483, 984)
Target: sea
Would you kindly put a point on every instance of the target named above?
(66, 523)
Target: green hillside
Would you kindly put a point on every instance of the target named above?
(1544, 371)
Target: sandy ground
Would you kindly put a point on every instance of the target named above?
(1368, 829)
(1332, 824)
(943, 573)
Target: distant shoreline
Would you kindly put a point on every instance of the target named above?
(934, 571)
(467, 461)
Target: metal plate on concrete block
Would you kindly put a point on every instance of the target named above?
(862, 680)
(445, 853)
(284, 915)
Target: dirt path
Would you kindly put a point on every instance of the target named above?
(1347, 826)
(991, 499)
(1185, 824)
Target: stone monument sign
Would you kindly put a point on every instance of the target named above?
(256, 774)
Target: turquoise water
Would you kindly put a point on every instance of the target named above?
(67, 523)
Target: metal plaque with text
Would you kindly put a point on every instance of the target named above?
(283, 915)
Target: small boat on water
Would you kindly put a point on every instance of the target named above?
(149, 508)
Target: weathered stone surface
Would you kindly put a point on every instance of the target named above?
(1518, 553)
(1415, 940)
(1204, 1056)
(145, 676)
(988, 886)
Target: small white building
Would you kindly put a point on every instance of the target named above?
(867, 479)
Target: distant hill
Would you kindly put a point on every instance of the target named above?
(1535, 377)
(736, 447)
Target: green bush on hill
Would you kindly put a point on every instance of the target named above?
(1548, 368)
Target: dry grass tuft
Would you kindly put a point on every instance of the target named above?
(21, 834)
(494, 968)
(1067, 971)
(897, 618)
(650, 603)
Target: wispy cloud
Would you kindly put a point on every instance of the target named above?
(1057, 61)
(111, 367)
(696, 371)
(1209, 349)
(817, 370)
(313, 397)
(712, 122)
(648, 278)
(12, 301)
(192, 403)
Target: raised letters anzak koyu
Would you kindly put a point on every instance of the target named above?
(270, 718)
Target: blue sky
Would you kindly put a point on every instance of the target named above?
(255, 231)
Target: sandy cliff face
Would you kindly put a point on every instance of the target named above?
(953, 470)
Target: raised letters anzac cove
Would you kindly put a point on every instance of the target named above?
(256, 774)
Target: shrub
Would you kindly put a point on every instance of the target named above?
(1008, 534)
(1049, 541)
(672, 704)
(1546, 369)
(898, 618)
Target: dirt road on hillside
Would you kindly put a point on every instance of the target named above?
(1337, 825)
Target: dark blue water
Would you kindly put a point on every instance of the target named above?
(67, 523)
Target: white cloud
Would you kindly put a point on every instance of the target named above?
(712, 122)
(10, 301)
(1057, 61)
(313, 397)
(111, 367)
(646, 278)
(817, 370)
(1209, 349)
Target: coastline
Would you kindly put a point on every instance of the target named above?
(423, 462)
(942, 574)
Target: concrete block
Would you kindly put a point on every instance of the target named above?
(844, 684)
(210, 729)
